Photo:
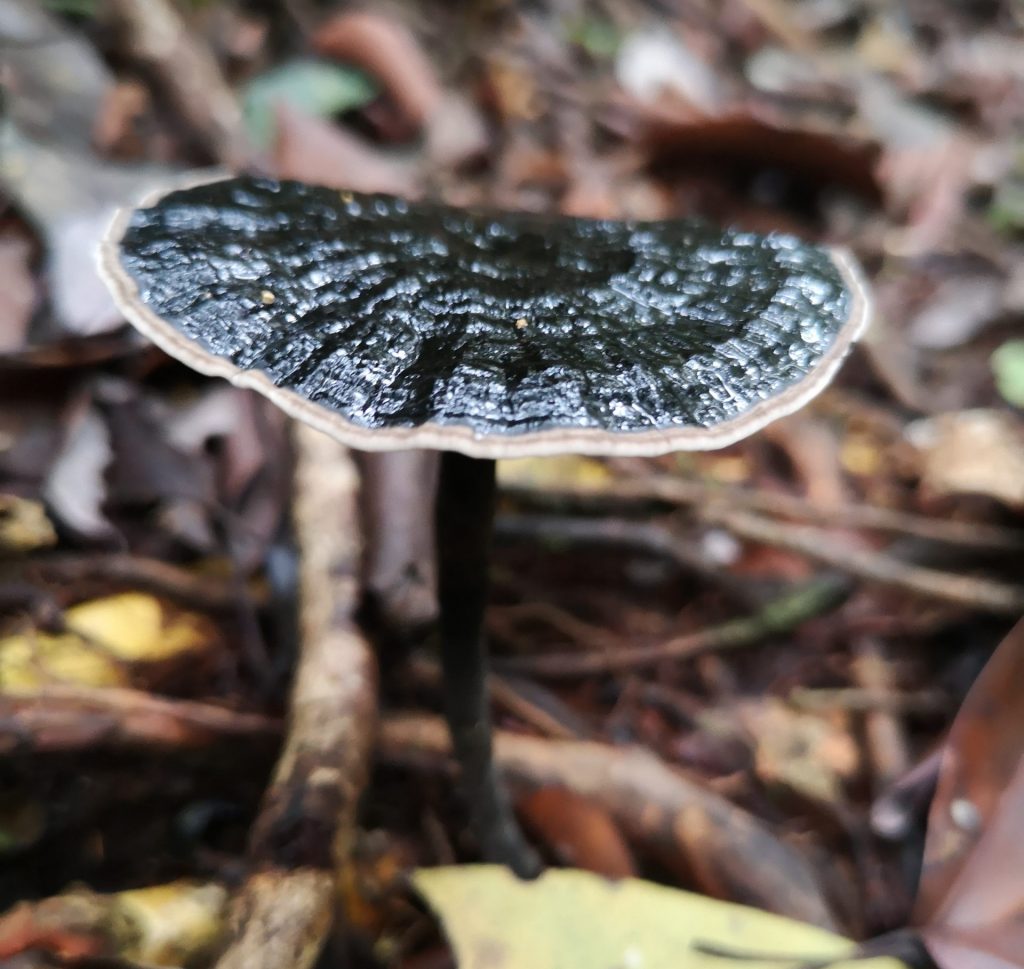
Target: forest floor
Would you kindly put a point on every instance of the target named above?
(770, 675)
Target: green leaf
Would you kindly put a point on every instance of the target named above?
(600, 38)
(1006, 211)
(575, 920)
(1008, 367)
(314, 87)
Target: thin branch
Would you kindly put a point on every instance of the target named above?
(75, 718)
(136, 572)
(724, 850)
(823, 546)
(686, 492)
(305, 827)
(779, 616)
(188, 73)
(515, 697)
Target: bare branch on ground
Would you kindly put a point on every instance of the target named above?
(820, 545)
(189, 75)
(724, 850)
(283, 913)
(70, 718)
(778, 616)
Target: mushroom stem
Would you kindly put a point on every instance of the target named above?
(465, 519)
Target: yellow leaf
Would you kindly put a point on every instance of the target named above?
(24, 526)
(576, 920)
(174, 924)
(137, 627)
(31, 660)
(103, 637)
(556, 472)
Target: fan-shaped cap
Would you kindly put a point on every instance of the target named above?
(392, 324)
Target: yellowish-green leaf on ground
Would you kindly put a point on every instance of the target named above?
(104, 637)
(576, 920)
(564, 471)
(173, 924)
(24, 526)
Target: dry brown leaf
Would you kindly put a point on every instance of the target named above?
(312, 150)
(387, 50)
(581, 833)
(972, 452)
(811, 754)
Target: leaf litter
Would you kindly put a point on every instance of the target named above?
(159, 502)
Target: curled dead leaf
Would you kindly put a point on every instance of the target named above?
(972, 452)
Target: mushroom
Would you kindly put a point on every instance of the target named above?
(390, 324)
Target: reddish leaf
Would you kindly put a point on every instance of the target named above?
(971, 899)
(579, 831)
(388, 52)
(314, 150)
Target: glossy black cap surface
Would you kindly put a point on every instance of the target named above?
(393, 324)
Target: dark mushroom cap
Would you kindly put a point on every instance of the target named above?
(392, 324)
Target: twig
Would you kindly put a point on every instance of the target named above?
(885, 735)
(135, 572)
(516, 697)
(73, 718)
(501, 621)
(604, 532)
(624, 534)
(190, 77)
(305, 827)
(686, 492)
(820, 545)
(778, 616)
(726, 851)
(867, 700)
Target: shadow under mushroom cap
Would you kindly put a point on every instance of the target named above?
(393, 324)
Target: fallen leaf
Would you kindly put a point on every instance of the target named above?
(389, 53)
(24, 526)
(738, 138)
(959, 309)
(104, 638)
(562, 471)
(812, 754)
(653, 62)
(972, 452)
(74, 488)
(175, 924)
(171, 925)
(1008, 367)
(55, 77)
(70, 197)
(316, 151)
(598, 36)
(315, 88)
(971, 898)
(580, 832)
(575, 920)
